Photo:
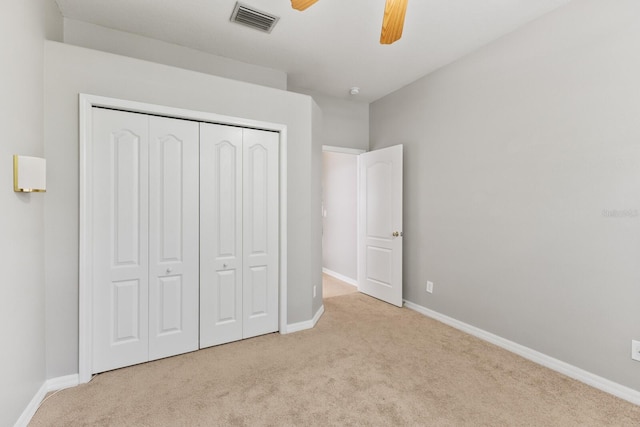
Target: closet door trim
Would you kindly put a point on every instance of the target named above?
(86, 104)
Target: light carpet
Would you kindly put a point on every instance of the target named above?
(365, 363)
(332, 287)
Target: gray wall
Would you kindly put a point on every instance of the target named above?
(516, 158)
(23, 28)
(315, 217)
(108, 40)
(345, 122)
(71, 70)
(340, 200)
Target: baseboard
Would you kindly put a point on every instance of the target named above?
(32, 407)
(50, 385)
(59, 383)
(571, 371)
(309, 324)
(339, 276)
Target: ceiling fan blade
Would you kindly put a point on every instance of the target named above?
(393, 21)
(302, 4)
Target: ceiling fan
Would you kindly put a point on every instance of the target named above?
(392, 22)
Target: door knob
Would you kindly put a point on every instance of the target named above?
(224, 265)
(396, 234)
(169, 270)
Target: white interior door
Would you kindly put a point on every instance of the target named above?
(173, 236)
(260, 228)
(380, 224)
(239, 240)
(221, 229)
(141, 232)
(145, 238)
(185, 236)
(120, 279)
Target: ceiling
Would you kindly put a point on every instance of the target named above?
(331, 46)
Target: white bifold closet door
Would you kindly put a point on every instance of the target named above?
(239, 233)
(144, 197)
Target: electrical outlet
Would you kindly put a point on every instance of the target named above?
(315, 290)
(429, 287)
(635, 350)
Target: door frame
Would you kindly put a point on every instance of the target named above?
(343, 150)
(85, 294)
(354, 152)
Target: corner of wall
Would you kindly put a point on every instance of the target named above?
(316, 206)
(54, 21)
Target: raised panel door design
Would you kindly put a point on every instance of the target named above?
(221, 234)
(126, 305)
(174, 236)
(380, 224)
(227, 158)
(260, 232)
(256, 185)
(170, 191)
(125, 193)
(379, 261)
(120, 279)
(378, 212)
(259, 282)
(185, 236)
(170, 315)
(227, 298)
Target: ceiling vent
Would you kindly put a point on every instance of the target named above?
(246, 15)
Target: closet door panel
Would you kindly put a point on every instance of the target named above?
(173, 236)
(221, 234)
(119, 199)
(260, 232)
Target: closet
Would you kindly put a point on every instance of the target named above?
(184, 236)
(239, 217)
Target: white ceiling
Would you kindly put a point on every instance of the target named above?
(331, 46)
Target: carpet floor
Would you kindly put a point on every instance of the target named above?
(365, 363)
(332, 287)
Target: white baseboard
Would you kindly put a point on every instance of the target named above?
(32, 407)
(339, 276)
(571, 371)
(309, 324)
(59, 383)
(50, 385)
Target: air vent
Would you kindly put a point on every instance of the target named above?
(245, 15)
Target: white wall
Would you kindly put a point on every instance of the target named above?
(71, 70)
(340, 198)
(517, 160)
(108, 40)
(23, 28)
(345, 122)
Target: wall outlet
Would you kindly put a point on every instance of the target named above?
(429, 287)
(315, 290)
(635, 350)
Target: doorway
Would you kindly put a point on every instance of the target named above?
(339, 219)
(362, 220)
